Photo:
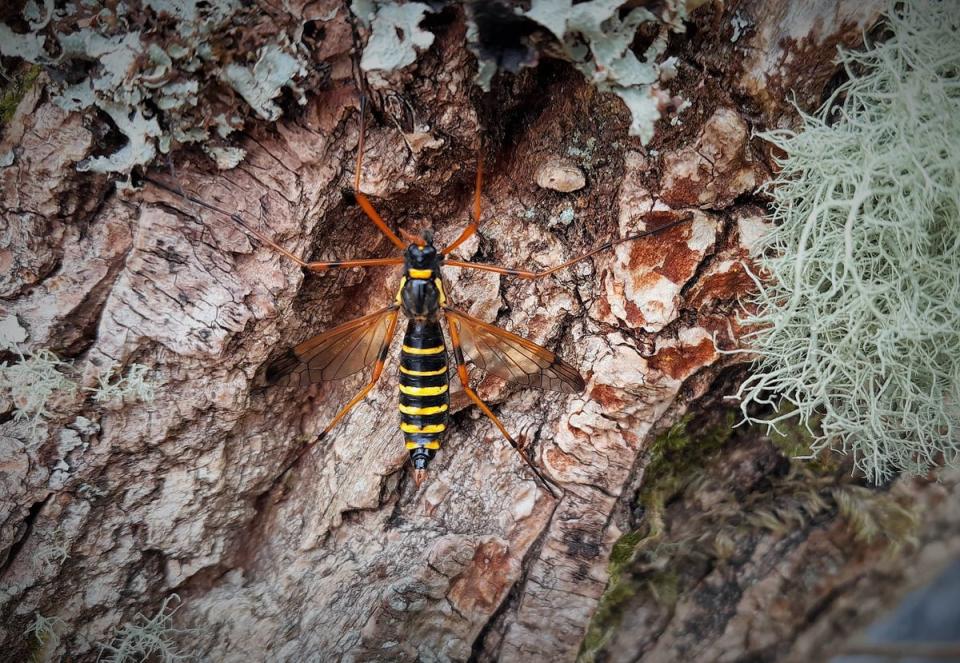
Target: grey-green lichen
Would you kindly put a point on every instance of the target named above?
(165, 72)
(33, 383)
(595, 36)
(44, 636)
(597, 39)
(148, 638)
(396, 35)
(858, 312)
(139, 384)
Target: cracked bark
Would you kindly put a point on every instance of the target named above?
(341, 558)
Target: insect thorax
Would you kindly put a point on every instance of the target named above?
(421, 292)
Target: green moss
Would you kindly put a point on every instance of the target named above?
(654, 566)
(622, 551)
(796, 439)
(14, 92)
(677, 455)
(875, 517)
(606, 618)
(665, 587)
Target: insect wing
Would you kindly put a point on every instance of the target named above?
(334, 354)
(514, 358)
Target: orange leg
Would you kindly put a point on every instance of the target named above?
(472, 227)
(362, 200)
(377, 372)
(465, 382)
(527, 274)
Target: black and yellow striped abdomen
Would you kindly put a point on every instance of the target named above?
(424, 390)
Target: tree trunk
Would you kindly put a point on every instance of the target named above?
(109, 509)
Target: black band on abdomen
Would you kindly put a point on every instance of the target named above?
(424, 386)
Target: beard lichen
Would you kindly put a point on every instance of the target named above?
(33, 383)
(857, 320)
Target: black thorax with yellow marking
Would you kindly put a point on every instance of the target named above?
(424, 385)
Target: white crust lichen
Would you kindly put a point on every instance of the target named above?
(597, 40)
(858, 315)
(165, 72)
(396, 37)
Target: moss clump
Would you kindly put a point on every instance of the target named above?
(873, 517)
(14, 92)
(654, 566)
(795, 438)
(676, 457)
(858, 316)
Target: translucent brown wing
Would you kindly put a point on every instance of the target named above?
(334, 354)
(513, 358)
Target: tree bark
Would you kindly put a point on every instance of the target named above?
(342, 557)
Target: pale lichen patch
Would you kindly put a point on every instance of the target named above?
(858, 318)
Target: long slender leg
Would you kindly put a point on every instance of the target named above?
(266, 241)
(465, 382)
(377, 372)
(473, 225)
(362, 200)
(527, 274)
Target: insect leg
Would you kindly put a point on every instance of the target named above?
(527, 274)
(473, 225)
(338, 264)
(377, 372)
(362, 200)
(465, 382)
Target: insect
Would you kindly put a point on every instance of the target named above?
(424, 400)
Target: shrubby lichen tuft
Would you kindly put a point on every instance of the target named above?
(33, 383)
(858, 311)
(136, 385)
(144, 638)
(44, 630)
(165, 72)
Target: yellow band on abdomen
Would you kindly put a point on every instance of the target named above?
(407, 371)
(433, 409)
(420, 273)
(434, 444)
(422, 351)
(423, 391)
(431, 428)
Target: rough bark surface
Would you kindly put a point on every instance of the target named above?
(342, 558)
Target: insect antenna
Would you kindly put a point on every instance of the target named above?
(266, 241)
(527, 274)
